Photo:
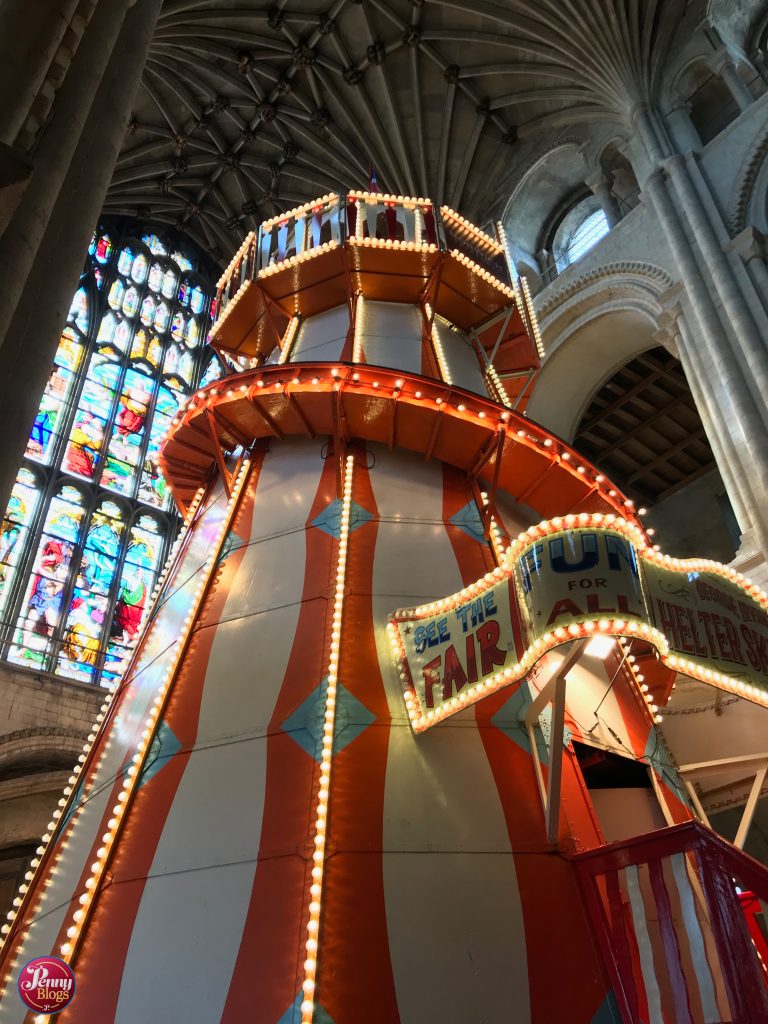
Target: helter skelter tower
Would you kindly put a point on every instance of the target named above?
(265, 825)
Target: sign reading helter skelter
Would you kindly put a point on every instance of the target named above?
(575, 577)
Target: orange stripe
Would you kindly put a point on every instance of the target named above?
(105, 947)
(269, 968)
(547, 885)
(354, 924)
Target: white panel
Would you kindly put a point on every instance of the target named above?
(461, 359)
(392, 335)
(322, 337)
(129, 722)
(196, 900)
(453, 908)
(514, 518)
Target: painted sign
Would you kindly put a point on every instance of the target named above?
(570, 578)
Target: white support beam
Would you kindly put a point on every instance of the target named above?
(552, 692)
(759, 764)
(749, 809)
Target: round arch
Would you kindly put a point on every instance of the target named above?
(591, 327)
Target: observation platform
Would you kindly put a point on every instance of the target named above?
(384, 248)
(371, 403)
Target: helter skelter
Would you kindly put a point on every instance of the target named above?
(301, 805)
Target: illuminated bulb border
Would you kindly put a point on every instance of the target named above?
(465, 226)
(133, 773)
(294, 261)
(298, 211)
(500, 389)
(480, 410)
(625, 627)
(329, 723)
(386, 197)
(357, 344)
(532, 317)
(288, 340)
(437, 345)
(28, 889)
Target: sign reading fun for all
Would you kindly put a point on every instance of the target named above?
(570, 578)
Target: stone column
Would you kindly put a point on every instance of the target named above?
(750, 245)
(31, 32)
(682, 128)
(602, 189)
(685, 343)
(750, 347)
(722, 64)
(33, 334)
(711, 364)
(21, 239)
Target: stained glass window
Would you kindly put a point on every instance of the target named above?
(90, 517)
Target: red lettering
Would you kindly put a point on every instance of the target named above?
(733, 642)
(431, 673)
(706, 619)
(683, 629)
(564, 607)
(667, 623)
(757, 649)
(471, 659)
(593, 606)
(454, 673)
(490, 654)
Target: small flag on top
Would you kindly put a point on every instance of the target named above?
(373, 181)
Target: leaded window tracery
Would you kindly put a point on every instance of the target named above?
(90, 517)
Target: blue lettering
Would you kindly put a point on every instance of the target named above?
(617, 549)
(434, 633)
(589, 553)
(529, 563)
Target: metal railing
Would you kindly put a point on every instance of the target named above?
(675, 914)
(361, 217)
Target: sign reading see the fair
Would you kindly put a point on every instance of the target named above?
(572, 578)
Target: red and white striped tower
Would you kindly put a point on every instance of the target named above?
(255, 832)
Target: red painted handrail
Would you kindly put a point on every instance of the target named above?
(652, 955)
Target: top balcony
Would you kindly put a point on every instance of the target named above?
(388, 248)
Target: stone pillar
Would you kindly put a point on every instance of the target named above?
(33, 333)
(685, 343)
(31, 32)
(601, 187)
(723, 65)
(682, 128)
(21, 239)
(711, 365)
(750, 347)
(750, 245)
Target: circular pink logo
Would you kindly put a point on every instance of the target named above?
(46, 984)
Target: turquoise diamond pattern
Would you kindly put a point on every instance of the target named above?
(305, 724)
(509, 719)
(468, 520)
(329, 519)
(293, 1014)
(164, 746)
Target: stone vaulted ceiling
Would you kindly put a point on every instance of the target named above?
(249, 108)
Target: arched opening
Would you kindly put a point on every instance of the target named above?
(623, 181)
(710, 103)
(579, 231)
(642, 428)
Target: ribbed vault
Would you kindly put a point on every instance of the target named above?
(247, 109)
